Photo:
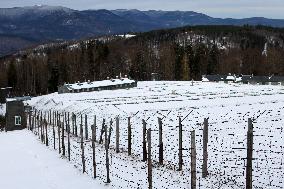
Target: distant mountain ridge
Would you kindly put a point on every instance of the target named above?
(44, 23)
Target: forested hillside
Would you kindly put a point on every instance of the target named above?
(29, 26)
(175, 54)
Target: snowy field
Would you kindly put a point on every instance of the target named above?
(228, 107)
(25, 163)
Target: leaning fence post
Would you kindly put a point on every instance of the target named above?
(205, 152)
(180, 145)
(193, 160)
(249, 154)
(117, 134)
(102, 132)
(161, 145)
(106, 148)
(94, 150)
(144, 141)
(129, 137)
(149, 159)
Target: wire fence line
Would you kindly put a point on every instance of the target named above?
(121, 146)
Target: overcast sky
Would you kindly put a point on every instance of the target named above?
(215, 8)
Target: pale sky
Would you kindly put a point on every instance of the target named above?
(215, 8)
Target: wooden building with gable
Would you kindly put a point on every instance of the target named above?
(110, 84)
(15, 113)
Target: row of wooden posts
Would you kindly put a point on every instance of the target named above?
(39, 124)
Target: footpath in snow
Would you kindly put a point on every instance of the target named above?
(26, 163)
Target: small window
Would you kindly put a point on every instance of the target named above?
(18, 120)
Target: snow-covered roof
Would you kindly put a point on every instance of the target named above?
(204, 79)
(230, 77)
(103, 83)
(24, 98)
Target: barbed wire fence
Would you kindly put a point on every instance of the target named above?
(229, 149)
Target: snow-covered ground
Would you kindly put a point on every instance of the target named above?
(228, 107)
(25, 163)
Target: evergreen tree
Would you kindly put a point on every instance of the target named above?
(12, 75)
(212, 66)
(178, 62)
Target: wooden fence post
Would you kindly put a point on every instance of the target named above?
(193, 161)
(129, 137)
(53, 130)
(68, 140)
(102, 132)
(106, 148)
(150, 183)
(46, 135)
(82, 145)
(59, 136)
(205, 152)
(144, 141)
(109, 132)
(68, 122)
(180, 145)
(94, 150)
(50, 117)
(65, 121)
(75, 124)
(62, 137)
(43, 128)
(72, 120)
(161, 145)
(249, 154)
(30, 121)
(95, 128)
(33, 120)
(117, 134)
(37, 120)
(86, 127)
(41, 132)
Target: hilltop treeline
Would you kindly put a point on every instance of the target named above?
(176, 54)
